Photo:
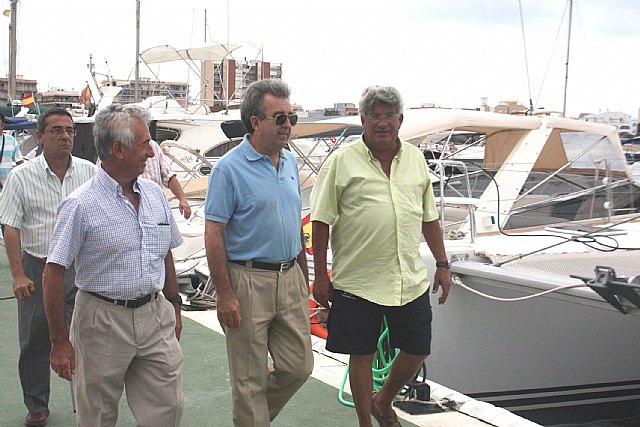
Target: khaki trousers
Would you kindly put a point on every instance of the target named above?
(117, 347)
(274, 310)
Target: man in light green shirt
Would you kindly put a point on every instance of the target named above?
(28, 206)
(377, 196)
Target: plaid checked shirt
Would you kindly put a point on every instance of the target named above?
(118, 252)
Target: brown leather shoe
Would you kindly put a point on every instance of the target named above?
(381, 419)
(37, 419)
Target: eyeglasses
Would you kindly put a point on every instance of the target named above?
(59, 130)
(282, 118)
(377, 117)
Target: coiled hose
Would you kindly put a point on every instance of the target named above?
(381, 366)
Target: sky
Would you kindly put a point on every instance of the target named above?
(449, 53)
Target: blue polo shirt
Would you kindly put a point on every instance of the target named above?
(260, 204)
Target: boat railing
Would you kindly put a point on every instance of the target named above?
(607, 182)
(190, 172)
(467, 200)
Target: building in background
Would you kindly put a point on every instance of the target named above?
(506, 107)
(240, 75)
(626, 124)
(346, 108)
(148, 87)
(24, 87)
(67, 99)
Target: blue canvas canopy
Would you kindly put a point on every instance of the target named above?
(19, 123)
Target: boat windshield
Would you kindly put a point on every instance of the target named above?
(587, 150)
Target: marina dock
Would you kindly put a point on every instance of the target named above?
(206, 386)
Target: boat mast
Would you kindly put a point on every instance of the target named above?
(226, 74)
(12, 49)
(137, 83)
(566, 76)
(205, 79)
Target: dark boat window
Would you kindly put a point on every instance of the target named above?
(221, 149)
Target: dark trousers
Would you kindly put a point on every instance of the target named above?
(33, 334)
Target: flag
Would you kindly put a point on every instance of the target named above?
(306, 230)
(85, 96)
(28, 100)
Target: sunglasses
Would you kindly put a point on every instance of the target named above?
(282, 118)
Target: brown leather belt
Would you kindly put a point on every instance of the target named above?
(280, 267)
(129, 303)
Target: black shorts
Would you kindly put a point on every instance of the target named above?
(354, 325)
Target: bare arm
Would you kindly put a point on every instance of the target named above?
(433, 236)
(62, 355)
(22, 285)
(171, 289)
(176, 189)
(322, 286)
(227, 304)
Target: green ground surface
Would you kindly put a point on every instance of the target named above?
(206, 384)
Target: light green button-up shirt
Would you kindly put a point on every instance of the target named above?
(31, 197)
(377, 222)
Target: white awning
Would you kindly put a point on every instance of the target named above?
(216, 51)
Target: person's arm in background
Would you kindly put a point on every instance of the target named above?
(170, 180)
(176, 189)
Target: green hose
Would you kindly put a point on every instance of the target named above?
(381, 366)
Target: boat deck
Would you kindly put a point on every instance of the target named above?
(206, 384)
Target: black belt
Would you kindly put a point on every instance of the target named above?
(129, 303)
(35, 258)
(279, 267)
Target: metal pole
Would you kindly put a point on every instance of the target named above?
(137, 82)
(226, 74)
(566, 76)
(12, 50)
(205, 78)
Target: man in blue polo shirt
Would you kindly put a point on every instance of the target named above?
(255, 251)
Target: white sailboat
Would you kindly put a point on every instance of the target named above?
(552, 200)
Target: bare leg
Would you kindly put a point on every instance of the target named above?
(402, 371)
(361, 382)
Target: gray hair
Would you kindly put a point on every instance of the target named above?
(380, 95)
(44, 117)
(114, 124)
(252, 99)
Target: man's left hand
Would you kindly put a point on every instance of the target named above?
(442, 278)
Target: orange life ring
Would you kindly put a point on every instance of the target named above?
(317, 326)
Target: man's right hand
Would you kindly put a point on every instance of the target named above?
(23, 287)
(228, 309)
(63, 360)
(323, 290)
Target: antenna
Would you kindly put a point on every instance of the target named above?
(566, 76)
(526, 62)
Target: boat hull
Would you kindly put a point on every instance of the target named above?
(565, 357)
